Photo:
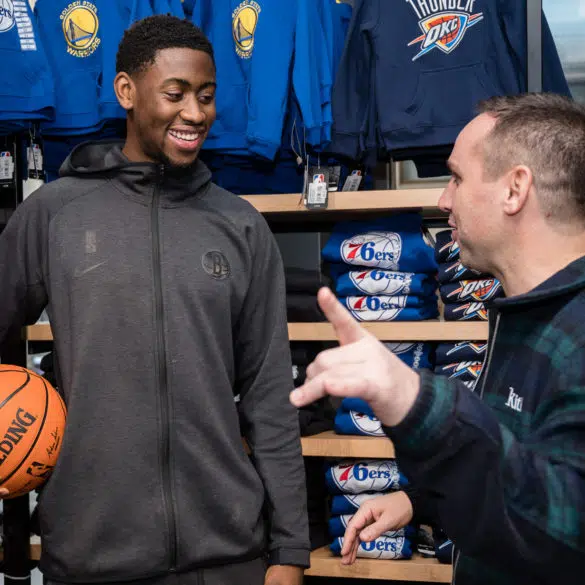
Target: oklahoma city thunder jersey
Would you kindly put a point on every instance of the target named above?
(26, 91)
(71, 34)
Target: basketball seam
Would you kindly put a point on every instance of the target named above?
(8, 398)
(36, 440)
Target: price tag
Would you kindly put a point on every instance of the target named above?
(318, 191)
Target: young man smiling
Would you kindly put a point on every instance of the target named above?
(155, 281)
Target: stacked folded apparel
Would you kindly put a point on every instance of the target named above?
(464, 292)
(355, 417)
(383, 270)
(354, 482)
(302, 286)
(461, 361)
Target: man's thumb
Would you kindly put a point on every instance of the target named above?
(346, 327)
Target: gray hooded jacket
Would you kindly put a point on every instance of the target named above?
(166, 298)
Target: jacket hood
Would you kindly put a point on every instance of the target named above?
(106, 159)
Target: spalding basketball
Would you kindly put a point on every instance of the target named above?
(32, 422)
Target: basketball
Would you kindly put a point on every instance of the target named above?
(32, 422)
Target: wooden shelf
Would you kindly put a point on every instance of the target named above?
(329, 444)
(433, 330)
(400, 199)
(39, 332)
(404, 331)
(324, 564)
(34, 552)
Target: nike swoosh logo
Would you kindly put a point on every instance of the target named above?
(79, 272)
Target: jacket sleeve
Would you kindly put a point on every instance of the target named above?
(269, 422)
(351, 98)
(310, 70)
(23, 295)
(511, 503)
(269, 77)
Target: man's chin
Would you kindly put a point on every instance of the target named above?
(179, 164)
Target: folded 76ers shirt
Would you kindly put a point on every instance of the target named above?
(357, 423)
(391, 243)
(382, 308)
(350, 503)
(370, 475)
(338, 524)
(382, 547)
(381, 282)
(471, 290)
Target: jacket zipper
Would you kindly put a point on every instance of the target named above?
(484, 374)
(484, 371)
(161, 370)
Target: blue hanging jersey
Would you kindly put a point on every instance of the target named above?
(71, 34)
(173, 7)
(120, 15)
(26, 91)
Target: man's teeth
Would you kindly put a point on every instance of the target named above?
(184, 135)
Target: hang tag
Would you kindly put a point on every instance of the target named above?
(334, 175)
(35, 161)
(353, 181)
(6, 168)
(318, 190)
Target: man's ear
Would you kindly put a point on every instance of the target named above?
(520, 183)
(125, 90)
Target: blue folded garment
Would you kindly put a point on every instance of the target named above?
(480, 290)
(357, 405)
(392, 243)
(464, 351)
(368, 308)
(417, 355)
(382, 547)
(466, 312)
(464, 371)
(454, 271)
(370, 475)
(446, 250)
(381, 282)
(350, 503)
(338, 524)
(357, 423)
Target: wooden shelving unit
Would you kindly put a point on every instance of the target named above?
(34, 551)
(324, 564)
(329, 444)
(407, 331)
(401, 200)
(433, 330)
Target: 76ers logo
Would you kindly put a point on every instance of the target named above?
(379, 249)
(443, 23)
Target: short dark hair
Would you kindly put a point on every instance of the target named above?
(545, 132)
(142, 41)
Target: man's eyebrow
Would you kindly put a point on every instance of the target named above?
(185, 83)
(452, 167)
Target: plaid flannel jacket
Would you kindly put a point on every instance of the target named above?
(504, 468)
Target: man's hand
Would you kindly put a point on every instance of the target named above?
(4, 493)
(284, 575)
(361, 367)
(376, 516)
